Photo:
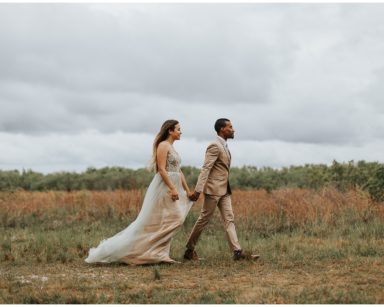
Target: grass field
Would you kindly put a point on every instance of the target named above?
(316, 247)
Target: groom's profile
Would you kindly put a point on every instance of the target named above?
(213, 181)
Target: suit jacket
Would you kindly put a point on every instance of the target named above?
(214, 175)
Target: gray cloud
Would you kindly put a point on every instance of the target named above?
(307, 76)
(179, 53)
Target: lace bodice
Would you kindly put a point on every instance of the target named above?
(173, 161)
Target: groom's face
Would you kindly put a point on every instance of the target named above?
(228, 131)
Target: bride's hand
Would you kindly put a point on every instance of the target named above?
(174, 194)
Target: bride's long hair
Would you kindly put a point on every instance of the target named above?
(163, 134)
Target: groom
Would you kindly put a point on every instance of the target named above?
(213, 182)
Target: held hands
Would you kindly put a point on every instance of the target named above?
(194, 196)
(189, 194)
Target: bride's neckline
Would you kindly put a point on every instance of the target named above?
(171, 144)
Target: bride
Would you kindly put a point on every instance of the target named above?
(165, 206)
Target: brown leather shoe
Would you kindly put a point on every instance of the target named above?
(190, 255)
(243, 255)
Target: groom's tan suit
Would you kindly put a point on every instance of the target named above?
(213, 181)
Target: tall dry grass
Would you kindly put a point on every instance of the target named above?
(286, 207)
(23, 207)
(303, 207)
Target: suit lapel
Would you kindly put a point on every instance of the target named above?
(222, 146)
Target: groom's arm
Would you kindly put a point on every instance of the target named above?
(211, 156)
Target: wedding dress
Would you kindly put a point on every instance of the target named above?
(148, 239)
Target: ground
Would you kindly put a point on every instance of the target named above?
(344, 281)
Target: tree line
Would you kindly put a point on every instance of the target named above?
(368, 176)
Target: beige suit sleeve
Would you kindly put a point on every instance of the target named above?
(211, 156)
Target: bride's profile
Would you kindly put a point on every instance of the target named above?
(147, 240)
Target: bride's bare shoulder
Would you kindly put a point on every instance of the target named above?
(164, 146)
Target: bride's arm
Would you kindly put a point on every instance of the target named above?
(184, 182)
(161, 158)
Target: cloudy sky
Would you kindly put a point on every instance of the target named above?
(90, 84)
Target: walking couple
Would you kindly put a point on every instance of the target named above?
(168, 200)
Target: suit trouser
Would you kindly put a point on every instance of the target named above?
(225, 207)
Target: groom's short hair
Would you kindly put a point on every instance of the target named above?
(221, 123)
